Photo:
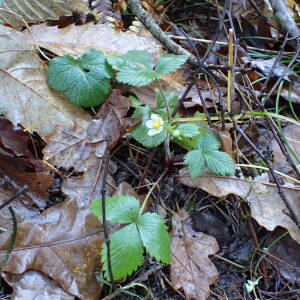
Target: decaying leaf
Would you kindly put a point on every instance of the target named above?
(25, 97)
(34, 11)
(191, 269)
(35, 285)
(75, 40)
(265, 203)
(83, 147)
(64, 241)
(285, 255)
(19, 167)
(64, 244)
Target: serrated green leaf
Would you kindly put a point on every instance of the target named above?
(168, 63)
(135, 75)
(154, 236)
(126, 252)
(188, 129)
(119, 208)
(135, 68)
(195, 161)
(219, 162)
(85, 81)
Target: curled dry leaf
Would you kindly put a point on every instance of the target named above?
(36, 11)
(191, 268)
(265, 203)
(25, 97)
(19, 166)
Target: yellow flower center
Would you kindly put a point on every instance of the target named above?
(156, 124)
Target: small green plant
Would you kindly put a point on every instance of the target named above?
(127, 244)
(87, 82)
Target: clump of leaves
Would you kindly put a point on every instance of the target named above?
(142, 231)
(136, 67)
(85, 81)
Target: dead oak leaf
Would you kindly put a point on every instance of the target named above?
(191, 268)
(266, 205)
(63, 243)
(75, 147)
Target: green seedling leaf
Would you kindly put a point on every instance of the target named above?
(208, 153)
(126, 252)
(119, 208)
(154, 236)
(85, 81)
(169, 63)
(136, 67)
(127, 244)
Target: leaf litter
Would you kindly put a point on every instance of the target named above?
(77, 144)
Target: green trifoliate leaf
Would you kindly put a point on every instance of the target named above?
(85, 81)
(154, 236)
(195, 161)
(169, 63)
(126, 252)
(136, 67)
(220, 162)
(119, 208)
(188, 130)
(208, 154)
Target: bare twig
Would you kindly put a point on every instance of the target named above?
(105, 230)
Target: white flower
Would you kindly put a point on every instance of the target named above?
(155, 124)
(250, 285)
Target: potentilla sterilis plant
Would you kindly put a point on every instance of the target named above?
(155, 124)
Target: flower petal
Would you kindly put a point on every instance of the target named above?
(149, 123)
(155, 117)
(153, 131)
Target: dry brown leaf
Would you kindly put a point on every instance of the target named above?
(75, 40)
(291, 134)
(285, 255)
(64, 242)
(83, 147)
(191, 268)
(35, 285)
(265, 203)
(36, 11)
(25, 97)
